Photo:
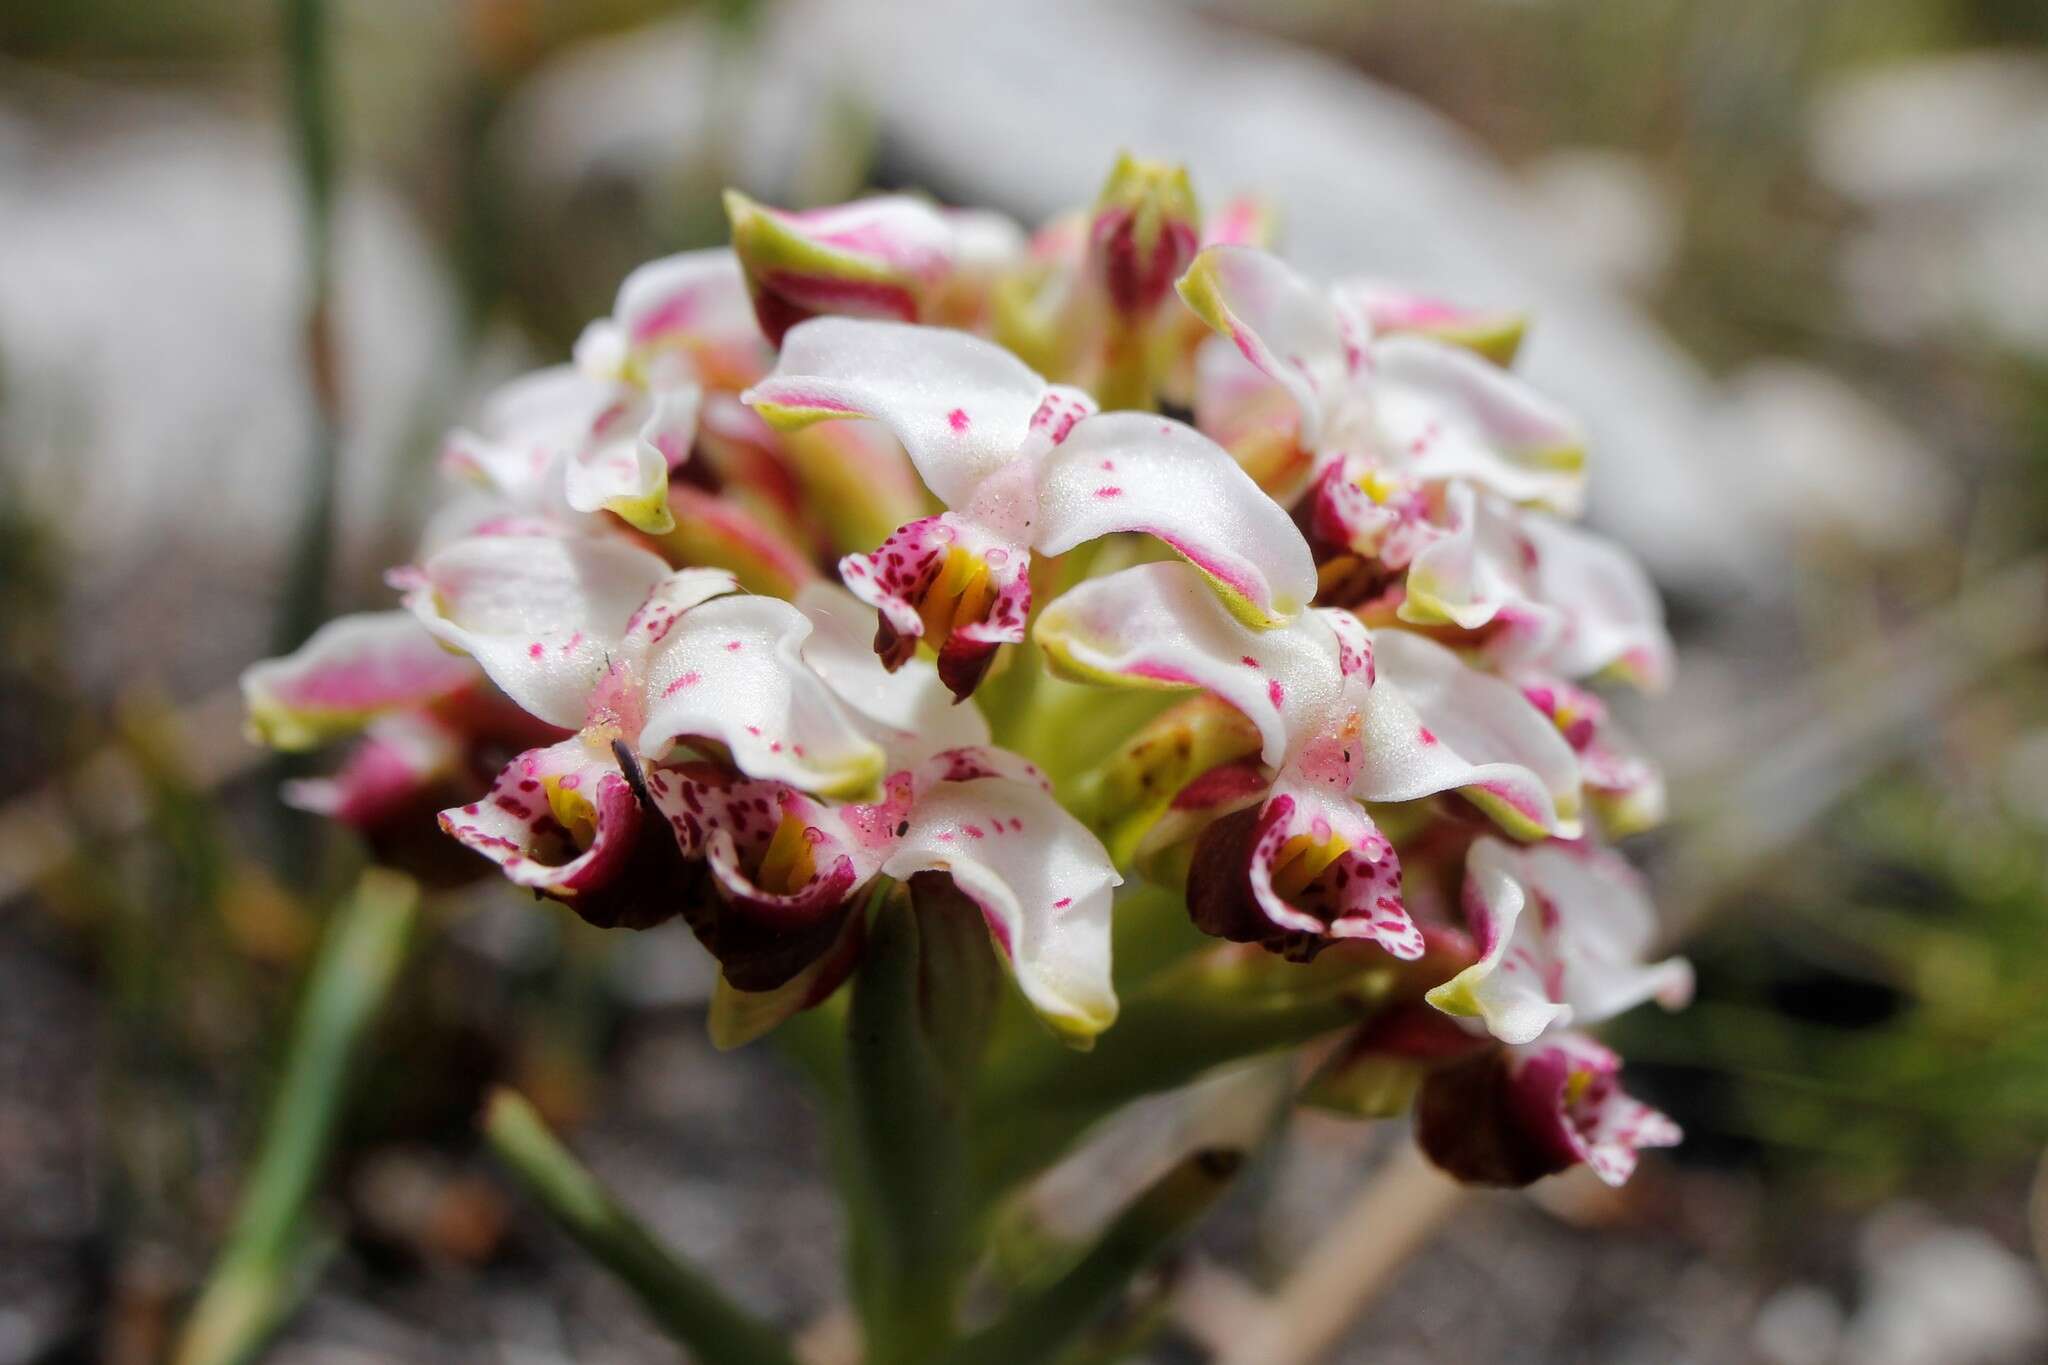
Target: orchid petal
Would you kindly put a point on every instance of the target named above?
(873, 258)
(687, 319)
(627, 474)
(402, 757)
(961, 406)
(349, 672)
(565, 822)
(734, 673)
(1159, 625)
(1042, 881)
(540, 614)
(1561, 929)
(1306, 869)
(1446, 414)
(1436, 724)
(948, 578)
(1570, 1088)
(1614, 620)
(525, 427)
(908, 711)
(1130, 471)
(1391, 308)
(1514, 987)
(1515, 1115)
(1281, 323)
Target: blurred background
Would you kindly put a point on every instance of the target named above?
(1788, 257)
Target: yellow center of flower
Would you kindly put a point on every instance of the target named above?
(961, 593)
(1302, 859)
(1378, 485)
(788, 864)
(572, 810)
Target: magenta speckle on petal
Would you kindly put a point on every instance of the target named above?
(957, 419)
(1275, 693)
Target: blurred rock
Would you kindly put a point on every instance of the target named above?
(1949, 158)
(1813, 458)
(1935, 1294)
(1607, 213)
(1801, 1324)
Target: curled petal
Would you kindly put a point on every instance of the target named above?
(526, 427)
(961, 406)
(733, 673)
(1159, 625)
(1613, 619)
(908, 711)
(402, 758)
(1435, 724)
(873, 258)
(946, 581)
(1306, 869)
(624, 470)
(1513, 1116)
(687, 319)
(1130, 471)
(349, 672)
(1622, 782)
(541, 614)
(1043, 884)
(1443, 413)
(1282, 324)
(1391, 308)
(565, 821)
(784, 882)
(1561, 929)
(1253, 418)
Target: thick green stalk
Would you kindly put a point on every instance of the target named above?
(908, 1199)
(680, 1299)
(1042, 1324)
(262, 1267)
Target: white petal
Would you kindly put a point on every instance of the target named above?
(1159, 625)
(909, 712)
(1042, 880)
(1279, 321)
(732, 671)
(961, 406)
(351, 671)
(1435, 724)
(1444, 413)
(1613, 617)
(1131, 471)
(541, 614)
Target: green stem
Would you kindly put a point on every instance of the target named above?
(1043, 1323)
(908, 1199)
(680, 1299)
(312, 117)
(262, 1266)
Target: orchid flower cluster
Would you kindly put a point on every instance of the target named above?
(896, 552)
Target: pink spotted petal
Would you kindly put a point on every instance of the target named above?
(961, 406)
(564, 821)
(1043, 883)
(1129, 471)
(1436, 724)
(542, 615)
(732, 673)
